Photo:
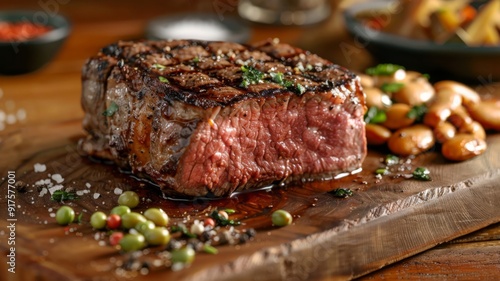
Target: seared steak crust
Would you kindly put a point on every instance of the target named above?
(209, 118)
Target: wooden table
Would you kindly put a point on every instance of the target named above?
(52, 95)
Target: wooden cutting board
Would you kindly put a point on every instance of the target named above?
(384, 221)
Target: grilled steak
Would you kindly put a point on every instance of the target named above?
(210, 118)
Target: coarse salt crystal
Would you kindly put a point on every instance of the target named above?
(11, 119)
(177, 266)
(144, 271)
(118, 191)
(21, 114)
(45, 182)
(57, 178)
(39, 182)
(96, 195)
(88, 185)
(39, 168)
(157, 262)
(82, 192)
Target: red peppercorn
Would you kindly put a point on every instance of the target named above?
(209, 222)
(115, 237)
(114, 221)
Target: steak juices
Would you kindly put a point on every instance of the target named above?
(211, 118)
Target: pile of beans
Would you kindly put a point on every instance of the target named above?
(452, 114)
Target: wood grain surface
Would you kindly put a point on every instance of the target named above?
(472, 257)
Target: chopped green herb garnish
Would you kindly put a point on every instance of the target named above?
(391, 159)
(159, 66)
(417, 112)
(196, 60)
(392, 87)
(287, 84)
(254, 76)
(210, 249)
(301, 89)
(381, 171)
(422, 174)
(341, 192)
(219, 220)
(230, 211)
(277, 77)
(112, 109)
(79, 218)
(163, 79)
(61, 195)
(386, 69)
(375, 115)
(251, 75)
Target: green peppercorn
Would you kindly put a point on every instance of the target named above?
(65, 215)
(157, 236)
(183, 255)
(98, 220)
(156, 215)
(120, 210)
(281, 218)
(131, 219)
(129, 198)
(132, 242)
(143, 226)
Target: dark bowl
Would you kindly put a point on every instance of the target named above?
(444, 61)
(18, 57)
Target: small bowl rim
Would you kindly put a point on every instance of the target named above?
(356, 28)
(59, 31)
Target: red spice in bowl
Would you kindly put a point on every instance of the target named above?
(20, 31)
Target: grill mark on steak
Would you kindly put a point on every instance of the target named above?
(186, 122)
(196, 59)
